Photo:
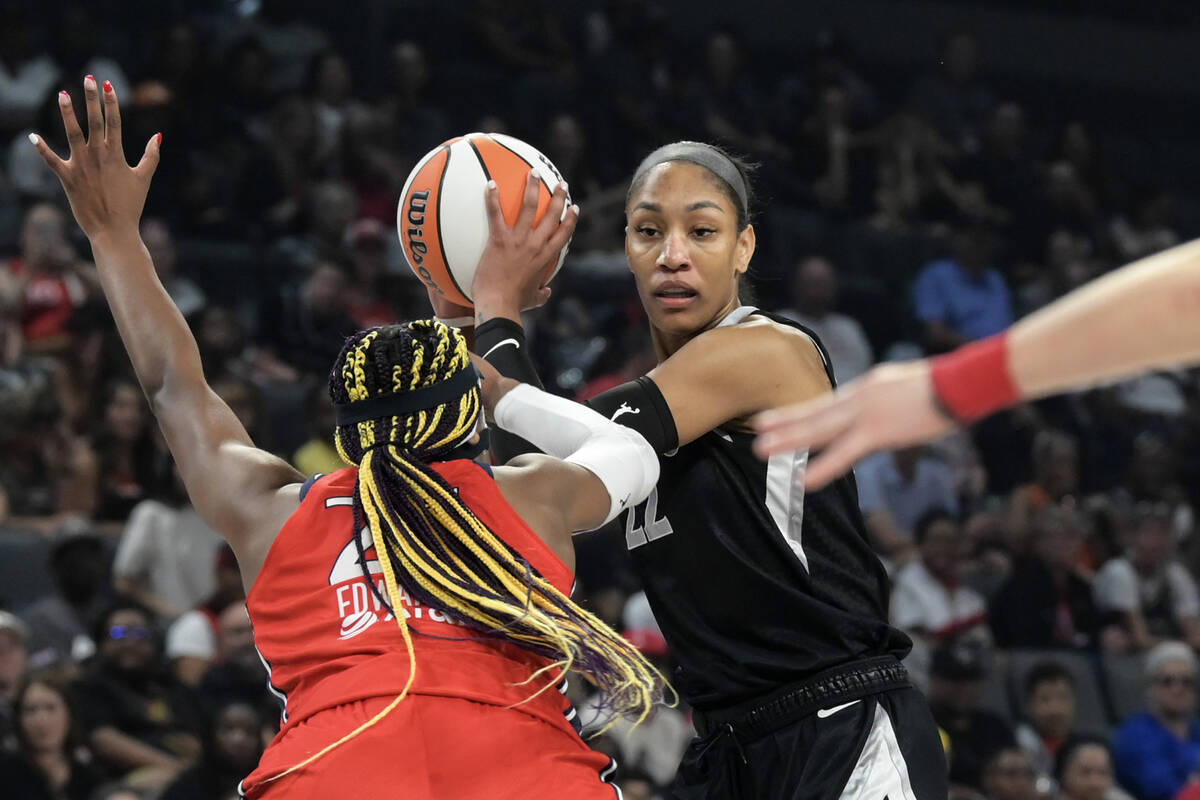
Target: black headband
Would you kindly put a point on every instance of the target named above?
(401, 403)
(706, 156)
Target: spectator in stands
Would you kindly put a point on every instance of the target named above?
(50, 762)
(237, 674)
(330, 209)
(136, 714)
(318, 455)
(972, 735)
(1003, 166)
(1158, 751)
(186, 295)
(279, 174)
(223, 341)
(1084, 769)
(1063, 202)
(1049, 695)
(192, 640)
(1153, 476)
(304, 327)
(1046, 602)
(334, 103)
(14, 662)
(233, 743)
(732, 106)
(1149, 592)
(955, 100)
(59, 623)
(411, 116)
(895, 489)
(987, 561)
(929, 601)
(55, 283)
(835, 159)
(245, 400)
(130, 468)
(1008, 775)
(165, 557)
(366, 296)
(1054, 463)
(1148, 229)
(962, 298)
(813, 300)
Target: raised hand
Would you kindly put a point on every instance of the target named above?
(106, 194)
(891, 406)
(520, 258)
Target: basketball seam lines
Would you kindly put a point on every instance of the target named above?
(479, 156)
(534, 167)
(438, 214)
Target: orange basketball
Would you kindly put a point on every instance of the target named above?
(442, 218)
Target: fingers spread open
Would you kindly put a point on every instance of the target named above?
(554, 211)
(497, 224)
(145, 168)
(71, 124)
(529, 203)
(95, 117)
(49, 156)
(112, 119)
(563, 232)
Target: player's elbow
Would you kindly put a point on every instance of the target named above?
(623, 461)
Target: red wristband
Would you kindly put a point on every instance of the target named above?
(974, 380)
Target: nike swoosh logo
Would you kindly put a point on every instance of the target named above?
(501, 343)
(829, 712)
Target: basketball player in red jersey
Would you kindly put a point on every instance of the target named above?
(1141, 317)
(412, 611)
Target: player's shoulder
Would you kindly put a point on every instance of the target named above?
(756, 329)
(768, 337)
(337, 483)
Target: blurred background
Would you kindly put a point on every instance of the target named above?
(928, 172)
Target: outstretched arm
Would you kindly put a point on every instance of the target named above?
(1141, 317)
(239, 490)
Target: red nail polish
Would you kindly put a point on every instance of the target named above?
(159, 137)
(63, 93)
(107, 86)
(89, 78)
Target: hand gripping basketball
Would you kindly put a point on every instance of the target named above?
(520, 258)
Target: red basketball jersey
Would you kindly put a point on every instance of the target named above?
(327, 640)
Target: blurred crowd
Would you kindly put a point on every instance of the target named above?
(1045, 563)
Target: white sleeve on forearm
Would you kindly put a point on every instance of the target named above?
(619, 456)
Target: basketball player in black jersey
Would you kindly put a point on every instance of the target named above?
(772, 600)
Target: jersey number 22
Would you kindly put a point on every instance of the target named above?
(652, 527)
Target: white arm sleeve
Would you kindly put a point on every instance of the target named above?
(619, 456)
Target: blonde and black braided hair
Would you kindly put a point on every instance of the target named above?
(432, 546)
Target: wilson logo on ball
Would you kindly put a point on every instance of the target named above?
(442, 217)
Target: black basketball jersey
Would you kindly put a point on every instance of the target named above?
(756, 583)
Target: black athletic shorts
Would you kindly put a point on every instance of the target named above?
(883, 746)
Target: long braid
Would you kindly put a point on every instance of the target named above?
(431, 546)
